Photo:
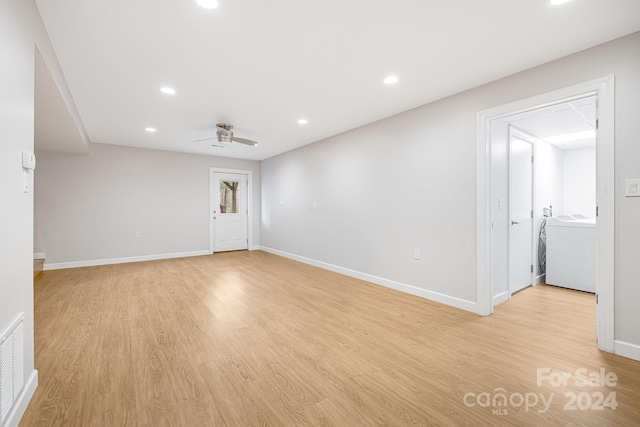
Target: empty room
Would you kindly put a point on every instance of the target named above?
(285, 213)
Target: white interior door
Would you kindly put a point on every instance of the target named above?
(229, 211)
(521, 210)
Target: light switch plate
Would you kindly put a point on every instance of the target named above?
(632, 188)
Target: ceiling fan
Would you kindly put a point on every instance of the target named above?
(224, 136)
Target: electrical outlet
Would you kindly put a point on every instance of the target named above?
(416, 253)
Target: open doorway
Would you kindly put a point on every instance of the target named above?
(493, 202)
(552, 193)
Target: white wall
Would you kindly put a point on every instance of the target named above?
(88, 207)
(21, 33)
(381, 191)
(580, 182)
(549, 176)
(424, 162)
(16, 133)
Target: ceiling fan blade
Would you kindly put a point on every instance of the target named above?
(245, 141)
(205, 139)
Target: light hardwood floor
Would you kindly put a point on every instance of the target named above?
(252, 339)
(38, 268)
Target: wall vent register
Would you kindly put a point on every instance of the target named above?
(11, 366)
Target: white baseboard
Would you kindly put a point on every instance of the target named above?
(39, 255)
(14, 417)
(632, 351)
(109, 261)
(409, 289)
(540, 279)
(501, 297)
(254, 248)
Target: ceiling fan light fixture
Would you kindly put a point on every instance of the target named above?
(224, 135)
(208, 4)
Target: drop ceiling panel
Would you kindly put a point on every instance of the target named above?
(560, 119)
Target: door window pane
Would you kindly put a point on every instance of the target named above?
(229, 195)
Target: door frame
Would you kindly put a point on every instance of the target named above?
(603, 88)
(529, 139)
(214, 203)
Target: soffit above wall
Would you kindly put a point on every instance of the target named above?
(54, 127)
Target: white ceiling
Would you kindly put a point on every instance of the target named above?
(262, 65)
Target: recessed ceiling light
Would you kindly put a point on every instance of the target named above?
(303, 121)
(208, 4)
(391, 80)
(150, 129)
(556, 2)
(168, 90)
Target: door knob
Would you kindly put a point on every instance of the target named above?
(515, 222)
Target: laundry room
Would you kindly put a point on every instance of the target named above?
(566, 243)
(564, 192)
(549, 156)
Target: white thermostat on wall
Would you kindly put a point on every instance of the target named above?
(28, 160)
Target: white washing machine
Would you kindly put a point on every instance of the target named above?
(571, 253)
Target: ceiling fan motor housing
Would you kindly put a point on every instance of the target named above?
(224, 133)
